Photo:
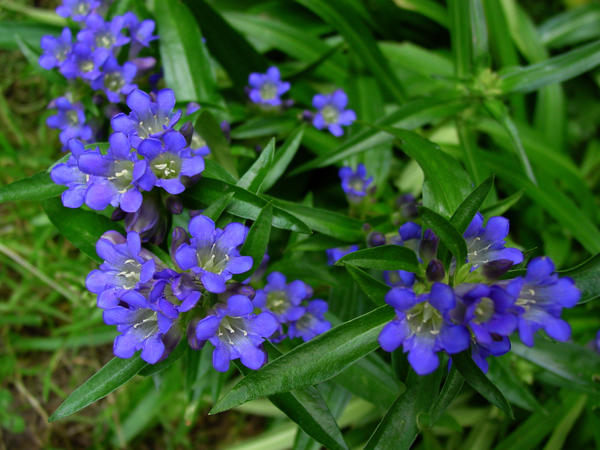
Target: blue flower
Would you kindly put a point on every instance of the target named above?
(147, 118)
(179, 289)
(397, 278)
(140, 31)
(411, 235)
(423, 326)
(213, 253)
(267, 88)
(489, 314)
(68, 174)
(78, 10)
(149, 221)
(115, 79)
(56, 50)
(119, 176)
(144, 325)
(541, 296)
(486, 244)
(333, 254)
(169, 159)
(311, 323)
(282, 299)
(127, 267)
(70, 119)
(355, 184)
(235, 332)
(101, 34)
(331, 114)
(84, 62)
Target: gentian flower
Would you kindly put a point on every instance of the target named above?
(83, 62)
(267, 88)
(78, 10)
(236, 332)
(140, 31)
(101, 34)
(311, 323)
(68, 174)
(147, 118)
(282, 299)
(485, 244)
(213, 253)
(70, 119)
(169, 159)
(411, 235)
(331, 114)
(422, 326)
(179, 289)
(355, 184)
(333, 254)
(149, 221)
(127, 267)
(116, 79)
(144, 325)
(397, 278)
(56, 50)
(119, 176)
(541, 296)
(488, 312)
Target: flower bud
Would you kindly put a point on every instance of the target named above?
(428, 246)
(435, 270)
(493, 270)
(178, 237)
(375, 239)
(188, 131)
(174, 204)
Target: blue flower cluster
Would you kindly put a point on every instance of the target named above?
(153, 306)
(92, 57)
(331, 114)
(144, 152)
(479, 312)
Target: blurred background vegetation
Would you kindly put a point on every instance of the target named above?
(51, 334)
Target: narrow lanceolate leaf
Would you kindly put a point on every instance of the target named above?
(257, 240)
(468, 208)
(384, 257)
(82, 228)
(460, 33)
(283, 157)
(114, 374)
(209, 129)
(452, 387)
(307, 408)
(478, 381)
(312, 362)
(253, 179)
(151, 369)
(374, 289)
(244, 204)
(448, 235)
(184, 57)
(554, 70)
(587, 278)
(35, 188)
(228, 46)
(358, 36)
(448, 184)
(574, 363)
(215, 210)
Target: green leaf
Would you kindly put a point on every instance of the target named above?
(499, 208)
(215, 210)
(210, 130)
(114, 374)
(31, 33)
(447, 181)
(578, 365)
(410, 115)
(563, 428)
(374, 289)
(554, 70)
(479, 36)
(253, 179)
(478, 381)
(460, 33)
(326, 222)
(429, 8)
(257, 241)
(82, 228)
(264, 126)
(283, 158)
(449, 236)
(351, 26)
(464, 214)
(227, 45)
(244, 204)
(184, 57)
(452, 387)
(312, 362)
(587, 278)
(35, 188)
(509, 383)
(572, 26)
(384, 257)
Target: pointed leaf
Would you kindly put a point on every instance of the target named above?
(35, 188)
(253, 179)
(384, 257)
(283, 157)
(449, 236)
(374, 289)
(257, 241)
